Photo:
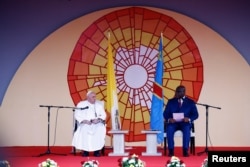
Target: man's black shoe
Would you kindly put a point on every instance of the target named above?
(185, 153)
(170, 153)
(85, 154)
(97, 154)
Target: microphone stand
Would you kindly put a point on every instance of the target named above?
(207, 107)
(48, 146)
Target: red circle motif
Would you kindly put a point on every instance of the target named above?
(135, 34)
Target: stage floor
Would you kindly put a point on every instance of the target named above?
(31, 156)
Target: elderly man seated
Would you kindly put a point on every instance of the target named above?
(91, 131)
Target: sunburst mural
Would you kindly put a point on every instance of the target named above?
(135, 34)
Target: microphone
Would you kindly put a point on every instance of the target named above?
(84, 108)
(51, 106)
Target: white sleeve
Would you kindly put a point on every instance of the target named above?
(80, 115)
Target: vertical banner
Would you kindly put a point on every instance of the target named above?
(112, 100)
(156, 114)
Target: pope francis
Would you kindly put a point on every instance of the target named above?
(91, 131)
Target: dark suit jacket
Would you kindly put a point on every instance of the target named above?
(188, 108)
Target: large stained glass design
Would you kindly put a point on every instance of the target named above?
(135, 33)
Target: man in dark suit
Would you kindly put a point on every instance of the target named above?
(186, 113)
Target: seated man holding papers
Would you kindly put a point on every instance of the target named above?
(180, 111)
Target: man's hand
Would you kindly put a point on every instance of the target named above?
(86, 122)
(95, 121)
(186, 119)
(171, 120)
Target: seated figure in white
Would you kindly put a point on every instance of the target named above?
(91, 130)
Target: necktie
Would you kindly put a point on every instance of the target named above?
(180, 102)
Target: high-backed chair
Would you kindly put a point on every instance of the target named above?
(178, 133)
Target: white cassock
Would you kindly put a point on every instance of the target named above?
(89, 137)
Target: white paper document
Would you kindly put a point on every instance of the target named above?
(178, 116)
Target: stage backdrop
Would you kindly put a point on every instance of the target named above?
(135, 36)
(73, 59)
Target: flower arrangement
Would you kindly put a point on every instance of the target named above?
(204, 164)
(175, 162)
(48, 163)
(132, 161)
(90, 163)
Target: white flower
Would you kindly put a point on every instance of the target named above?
(48, 162)
(90, 163)
(175, 162)
(204, 164)
(132, 161)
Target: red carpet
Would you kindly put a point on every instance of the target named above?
(29, 156)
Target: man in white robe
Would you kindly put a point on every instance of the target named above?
(91, 131)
